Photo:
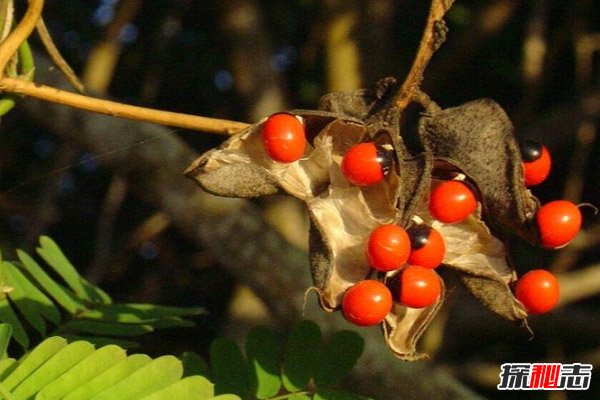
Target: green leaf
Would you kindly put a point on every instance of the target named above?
(32, 361)
(263, 360)
(21, 300)
(226, 397)
(193, 387)
(106, 328)
(337, 357)
(140, 313)
(90, 367)
(109, 378)
(194, 364)
(62, 296)
(5, 334)
(7, 366)
(45, 306)
(330, 394)
(7, 315)
(300, 355)
(152, 377)
(102, 341)
(59, 363)
(229, 368)
(54, 256)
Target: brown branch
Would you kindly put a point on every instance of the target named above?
(22, 31)
(121, 110)
(429, 44)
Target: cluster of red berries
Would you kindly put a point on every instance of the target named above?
(417, 251)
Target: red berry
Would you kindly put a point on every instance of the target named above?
(558, 223)
(451, 202)
(538, 290)
(536, 163)
(283, 137)
(388, 247)
(366, 164)
(367, 303)
(419, 286)
(427, 246)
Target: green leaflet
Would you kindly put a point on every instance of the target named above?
(142, 313)
(103, 328)
(32, 361)
(154, 376)
(299, 397)
(5, 333)
(229, 368)
(103, 341)
(193, 387)
(194, 364)
(63, 297)
(109, 378)
(7, 315)
(55, 366)
(25, 302)
(337, 357)
(44, 305)
(262, 354)
(54, 256)
(31, 291)
(90, 367)
(6, 367)
(300, 355)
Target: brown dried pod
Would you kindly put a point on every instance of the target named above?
(342, 215)
(477, 139)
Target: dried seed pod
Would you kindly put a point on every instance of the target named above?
(477, 139)
(474, 139)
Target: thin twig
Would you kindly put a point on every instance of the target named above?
(55, 55)
(429, 44)
(21, 32)
(121, 110)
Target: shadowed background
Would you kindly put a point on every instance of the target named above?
(111, 193)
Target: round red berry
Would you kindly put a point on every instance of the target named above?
(283, 137)
(538, 290)
(367, 303)
(419, 286)
(427, 246)
(558, 223)
(451, 202)
(536, 163)
(366, 164)
(388, 247)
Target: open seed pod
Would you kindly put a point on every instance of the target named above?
(342, 215)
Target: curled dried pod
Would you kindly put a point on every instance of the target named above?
(473, 140)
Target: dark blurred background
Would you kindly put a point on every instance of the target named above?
(245, 59)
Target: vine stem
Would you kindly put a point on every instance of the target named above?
(429, 44)
(101, 106)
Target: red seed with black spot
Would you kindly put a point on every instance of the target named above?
(427, 246)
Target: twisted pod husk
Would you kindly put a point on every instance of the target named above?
(475, 140)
